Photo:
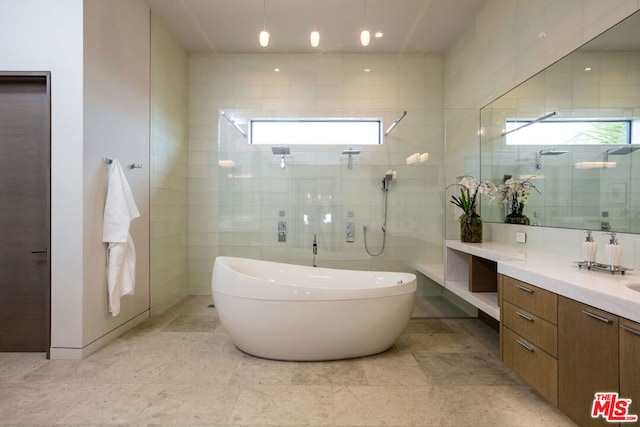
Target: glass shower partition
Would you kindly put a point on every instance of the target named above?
(326, 193)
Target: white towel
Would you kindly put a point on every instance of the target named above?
(119, 210)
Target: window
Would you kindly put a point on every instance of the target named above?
(331, 131)
(568, 132)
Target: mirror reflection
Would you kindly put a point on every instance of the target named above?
(572, 135)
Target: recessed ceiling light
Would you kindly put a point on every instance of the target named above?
(588, 69)
(366, 70)
(277, 70)
(379, 34)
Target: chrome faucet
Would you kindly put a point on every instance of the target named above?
(315, 251)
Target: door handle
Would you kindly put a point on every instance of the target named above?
(44, 251)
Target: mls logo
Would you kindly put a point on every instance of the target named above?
(612, 408)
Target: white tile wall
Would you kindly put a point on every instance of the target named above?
(169, 189)
(239, 215)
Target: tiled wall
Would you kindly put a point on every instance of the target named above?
(238, 216)
(169, 158)
(506, 44)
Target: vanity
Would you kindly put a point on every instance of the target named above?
(567, 332)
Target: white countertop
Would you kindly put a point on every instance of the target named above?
(561, 275)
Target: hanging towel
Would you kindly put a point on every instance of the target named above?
(119, 210)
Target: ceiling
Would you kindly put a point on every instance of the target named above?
(232, 26)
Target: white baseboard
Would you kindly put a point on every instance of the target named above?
(81, 353)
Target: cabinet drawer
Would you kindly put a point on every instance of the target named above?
(533, 365)
(531, 298)
(532, 327)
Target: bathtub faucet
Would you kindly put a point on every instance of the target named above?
(315, 251)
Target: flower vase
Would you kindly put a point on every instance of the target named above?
(471, 228)
(517, 217)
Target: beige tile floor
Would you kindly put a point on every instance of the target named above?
(181, 368)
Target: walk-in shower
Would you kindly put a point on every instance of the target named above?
(386, 180)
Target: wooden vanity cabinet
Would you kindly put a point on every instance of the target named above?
(587, 358)
(630, 363)
(529, 334)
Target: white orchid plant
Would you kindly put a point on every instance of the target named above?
(515, 193)
(469, 190)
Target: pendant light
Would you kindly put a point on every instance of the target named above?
(314, 37)
(365, 36)
(264, 34)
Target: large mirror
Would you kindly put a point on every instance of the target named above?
(572, 134)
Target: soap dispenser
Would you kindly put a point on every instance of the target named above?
(589, 250)
(613, 250)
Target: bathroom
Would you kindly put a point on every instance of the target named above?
(506, 43)
(108, 59)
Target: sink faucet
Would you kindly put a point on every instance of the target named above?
(315, 251)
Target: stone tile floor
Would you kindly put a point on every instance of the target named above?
(181, 368)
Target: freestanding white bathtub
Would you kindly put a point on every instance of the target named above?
(291, 312)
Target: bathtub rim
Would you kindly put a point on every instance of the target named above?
(260, 288)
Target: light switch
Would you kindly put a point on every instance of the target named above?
(521, 237)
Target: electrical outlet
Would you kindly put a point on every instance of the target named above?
(521, 237)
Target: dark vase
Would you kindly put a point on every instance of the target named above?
(471, 228)
(517, 217)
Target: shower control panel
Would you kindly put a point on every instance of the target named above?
(282, 231)
(351, 232)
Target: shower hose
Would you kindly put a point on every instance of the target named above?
(384, 227)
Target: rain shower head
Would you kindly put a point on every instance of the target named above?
(233, 123)
(620, 151)
(551, 152)
(351, 152)
(280, 151)
(395, 122)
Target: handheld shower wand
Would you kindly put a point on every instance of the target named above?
(386, 180)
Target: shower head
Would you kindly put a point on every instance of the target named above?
(280, 151)
(351, 152)
(551, 152)
(620, 151)
(233, 123)
(395, 122)
(388, 177)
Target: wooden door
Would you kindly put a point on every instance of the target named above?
(25, 140)
(587, 359)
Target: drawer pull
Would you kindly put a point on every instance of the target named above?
(525, 345)
(524, 316)
(596, 316)
(630, 329)
(524, 288)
